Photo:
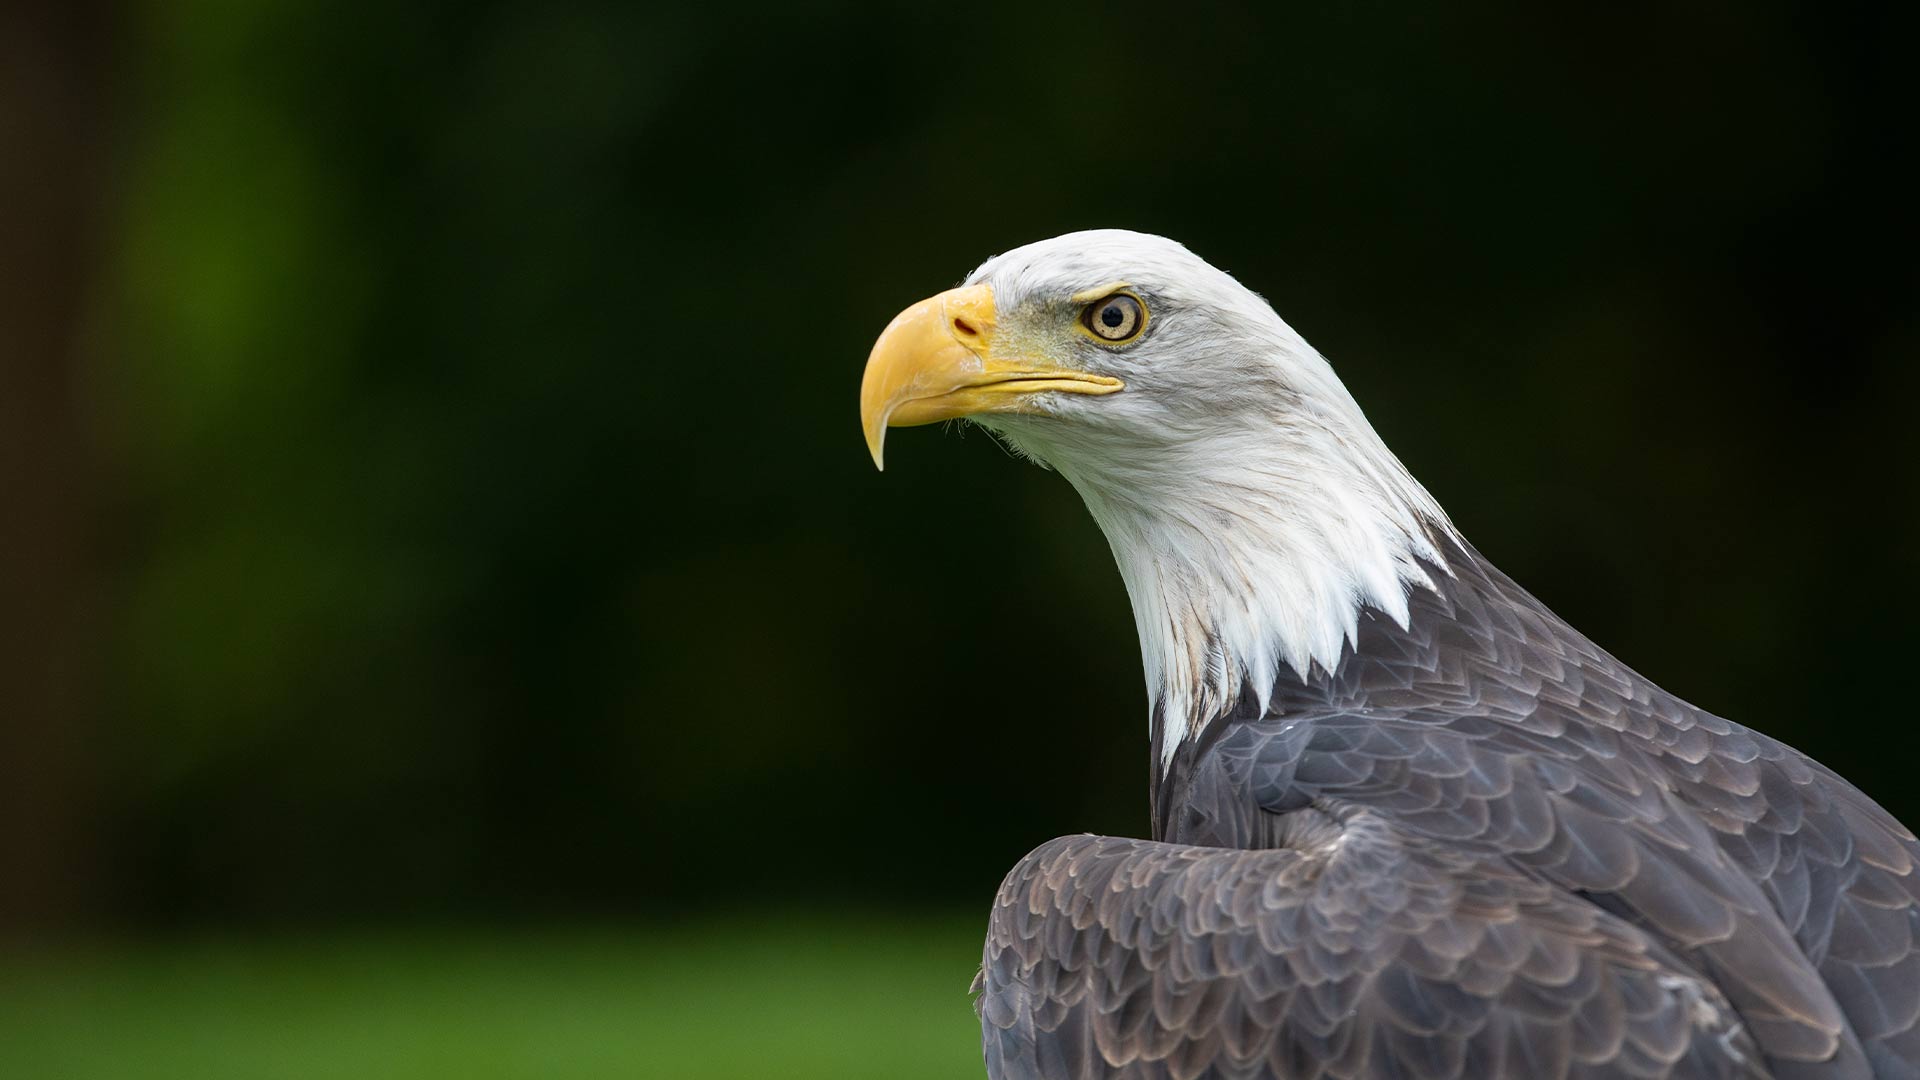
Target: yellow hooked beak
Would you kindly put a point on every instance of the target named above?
(935, 361)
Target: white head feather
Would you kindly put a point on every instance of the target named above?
(1252, 509)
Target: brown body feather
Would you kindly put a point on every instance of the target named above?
(1479, 847)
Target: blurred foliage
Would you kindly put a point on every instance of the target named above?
(801, 999)
(496, 536)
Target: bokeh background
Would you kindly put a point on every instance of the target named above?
(451, 626)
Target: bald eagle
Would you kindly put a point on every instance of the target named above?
(1406, 821)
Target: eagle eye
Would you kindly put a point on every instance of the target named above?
(1115, 318)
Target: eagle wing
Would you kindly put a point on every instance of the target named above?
(1779, 881)
(1661, 850)
(1351, 950)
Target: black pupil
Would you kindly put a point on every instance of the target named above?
(1112, 316)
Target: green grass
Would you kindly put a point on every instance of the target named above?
(846, 999)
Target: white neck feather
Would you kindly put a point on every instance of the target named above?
(1253, 510)
(1251, 548)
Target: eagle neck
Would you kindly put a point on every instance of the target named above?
(1253, 560)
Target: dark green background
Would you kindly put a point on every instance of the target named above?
(453, 411)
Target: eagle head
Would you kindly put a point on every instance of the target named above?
(1092, 346)
(1253, 511)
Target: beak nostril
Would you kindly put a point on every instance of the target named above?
(964, 328)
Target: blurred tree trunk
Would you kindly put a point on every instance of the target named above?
(53, 135)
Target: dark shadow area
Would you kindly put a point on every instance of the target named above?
(439, 420)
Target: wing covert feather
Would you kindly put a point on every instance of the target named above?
(1358, 952)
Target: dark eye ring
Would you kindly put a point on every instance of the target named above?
(1115, 318)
